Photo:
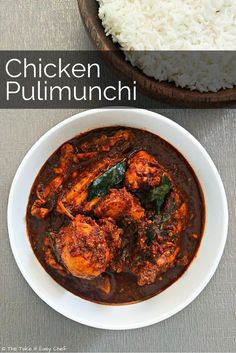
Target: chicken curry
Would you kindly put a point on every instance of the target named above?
(116, 215)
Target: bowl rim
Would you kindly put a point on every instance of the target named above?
(188, 300)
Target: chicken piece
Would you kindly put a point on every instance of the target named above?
(89, 206)
(167, 259)
(148, 271)
(144, 171)
(50, 257)
(120, 204)
(73, 199)
(104, 143)
(83, 246)
(147, 274)
(45, 193)
(67, 155)
(38, 211)
(113, 233)
(84, 156)
(175, 213)
(158, 240)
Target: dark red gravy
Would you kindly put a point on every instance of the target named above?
(124, 285)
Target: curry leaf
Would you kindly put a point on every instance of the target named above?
(150, 235)
(158, 194)
(175, 235)
(166, 216)
(111, 178)
(164, 233)
(53, 246)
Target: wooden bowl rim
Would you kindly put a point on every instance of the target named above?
(164, 91)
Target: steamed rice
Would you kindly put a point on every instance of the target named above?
(176, 25)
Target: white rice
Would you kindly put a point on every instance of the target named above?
(176, 25)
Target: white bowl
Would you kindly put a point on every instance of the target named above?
(179, 294)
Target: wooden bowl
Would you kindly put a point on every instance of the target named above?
(162, 91)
